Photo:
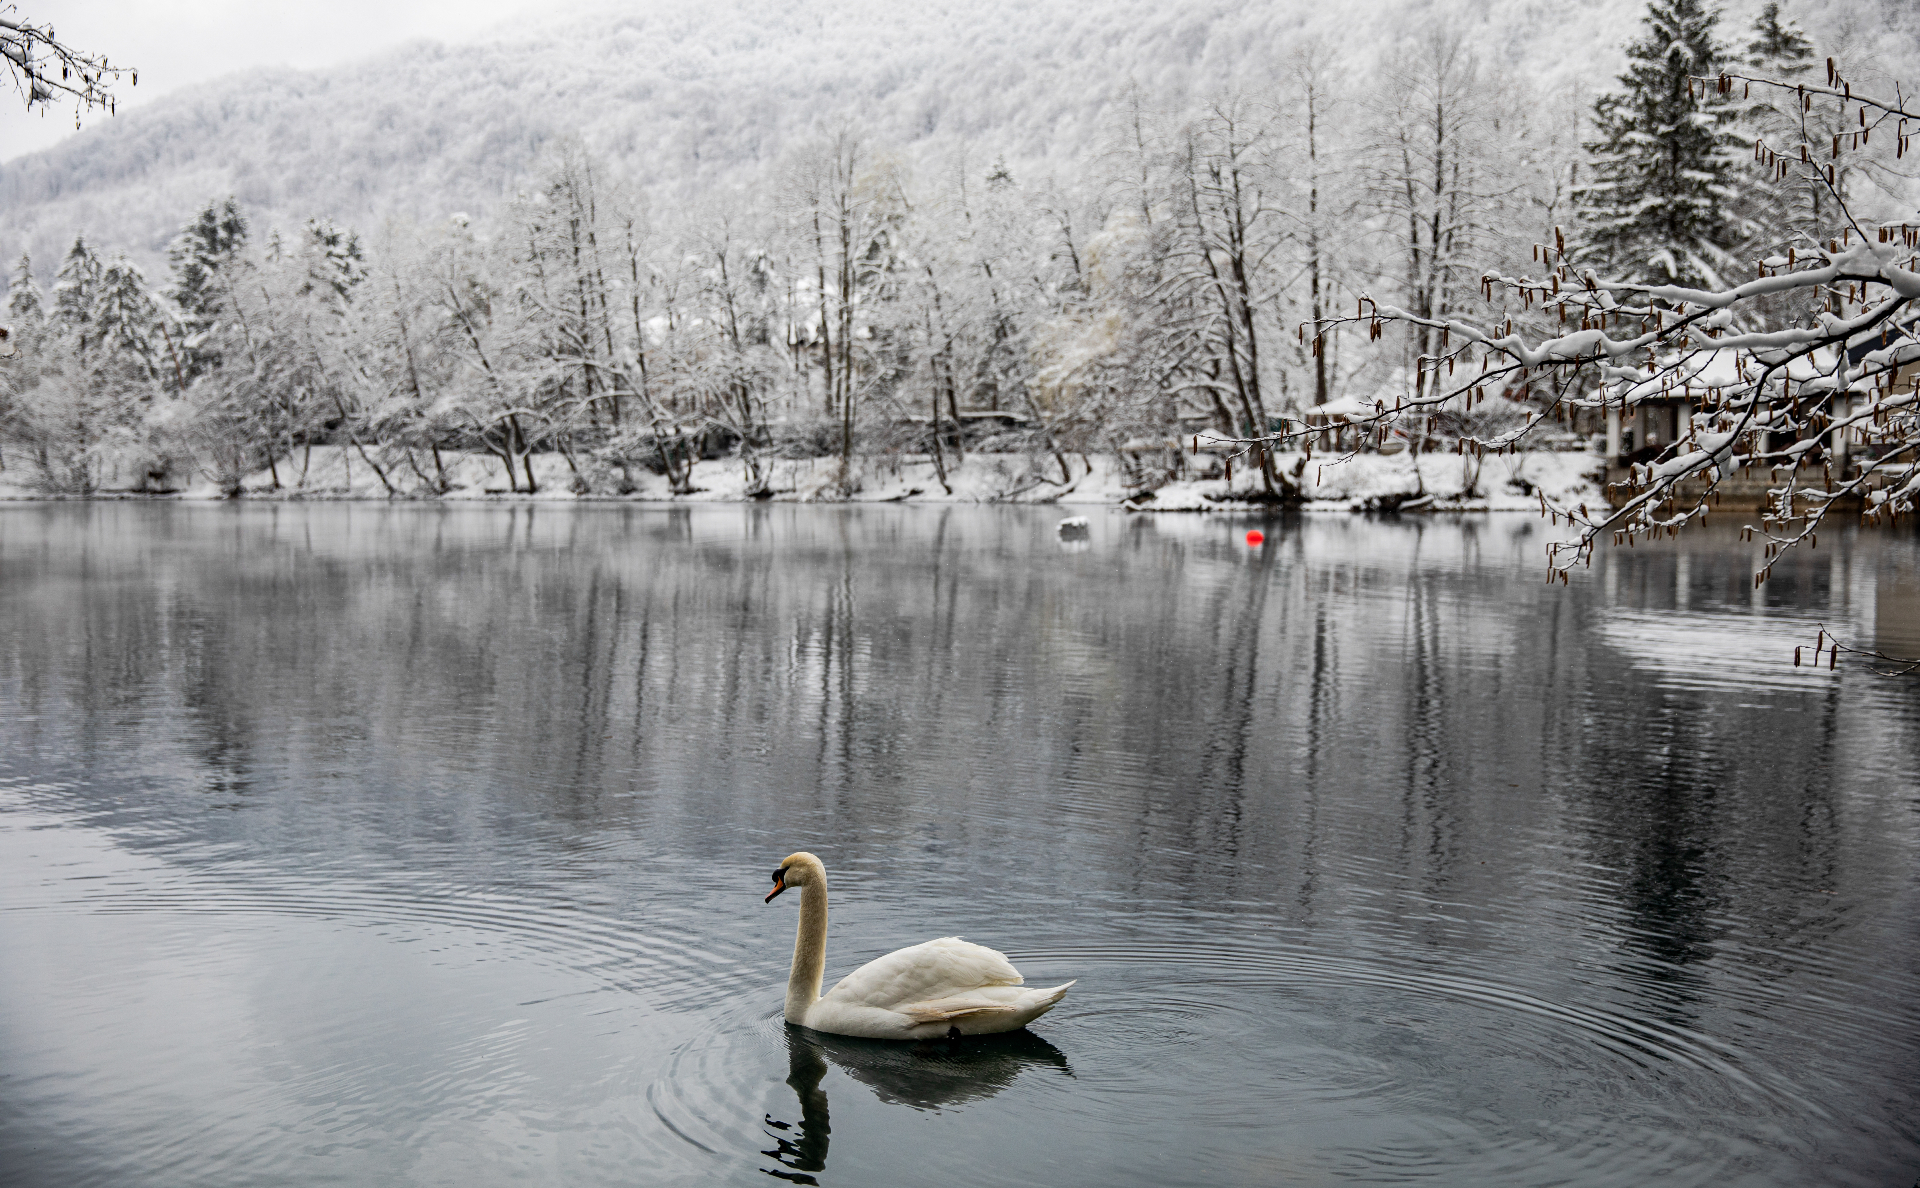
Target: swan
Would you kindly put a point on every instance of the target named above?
(945, 987)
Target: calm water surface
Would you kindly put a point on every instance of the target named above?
(412, 845)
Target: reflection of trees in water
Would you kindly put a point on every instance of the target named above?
(1170, 716)
(1708, 814)
(1657, 820)
(933, 1075)
(1429, 718)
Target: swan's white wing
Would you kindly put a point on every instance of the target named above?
(926, 974)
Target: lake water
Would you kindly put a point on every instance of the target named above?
(424, 845)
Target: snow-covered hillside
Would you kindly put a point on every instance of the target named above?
(685, 94)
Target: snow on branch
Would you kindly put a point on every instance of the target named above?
(1754, 388)
(44, 68)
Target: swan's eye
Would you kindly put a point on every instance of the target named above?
(778, 873)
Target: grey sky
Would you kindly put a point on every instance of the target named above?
(176, 43)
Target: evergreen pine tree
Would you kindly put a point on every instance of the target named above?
(334, 259)
(1660, 208)
(1779, 50)
(1791, 207)
(75, 288)
(124, 318)
(202, 258)
(26, 312)
(24, 303)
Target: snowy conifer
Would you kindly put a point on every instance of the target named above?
(1781, 207)
(334, 259)
(1660, 207)
(24, 303)
(124, 318)
(75, 288)
(80, 405)
(201, 256)
(21, 373)
(1779, 50)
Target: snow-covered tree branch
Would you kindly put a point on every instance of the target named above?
(44, 68)
(1824, 404)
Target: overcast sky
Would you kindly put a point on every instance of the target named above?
(176, 43)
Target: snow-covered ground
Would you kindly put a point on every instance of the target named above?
(1503, 483)
(1445, 482)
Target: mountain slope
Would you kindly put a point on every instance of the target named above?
(685, 95)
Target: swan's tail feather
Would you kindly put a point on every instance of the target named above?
(949, 1010)
(1036, 1003)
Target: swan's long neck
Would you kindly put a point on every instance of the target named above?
(809, 950)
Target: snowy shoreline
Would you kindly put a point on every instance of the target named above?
(1356, 483)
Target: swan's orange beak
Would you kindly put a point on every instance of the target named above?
(779, 885)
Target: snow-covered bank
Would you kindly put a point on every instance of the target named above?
(1444, 482)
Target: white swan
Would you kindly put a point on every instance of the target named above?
(944, 987)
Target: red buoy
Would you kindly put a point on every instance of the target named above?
(1256, 538)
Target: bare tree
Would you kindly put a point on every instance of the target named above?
(1434, 175)
(1318, 213)
(1230, 215)
(843, 204)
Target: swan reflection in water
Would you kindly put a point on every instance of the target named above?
(931, 1075)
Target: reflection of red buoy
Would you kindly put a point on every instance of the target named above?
(1256, 538)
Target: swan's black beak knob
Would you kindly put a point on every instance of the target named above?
(779, 885)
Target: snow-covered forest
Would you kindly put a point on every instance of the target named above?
(837, 282)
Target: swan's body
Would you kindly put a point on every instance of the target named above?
(943, 987)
